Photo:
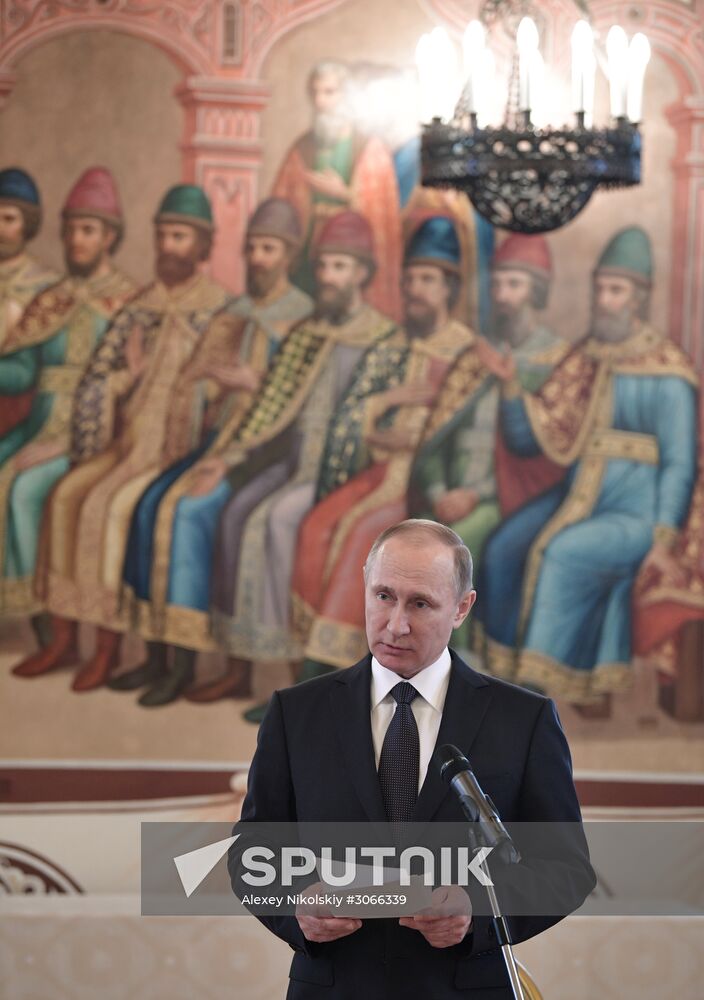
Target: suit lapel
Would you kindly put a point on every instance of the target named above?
(350, 702)
(466, 702)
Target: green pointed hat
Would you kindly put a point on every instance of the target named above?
(186, 203)
(629, 255)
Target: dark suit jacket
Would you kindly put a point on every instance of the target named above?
(315, 763)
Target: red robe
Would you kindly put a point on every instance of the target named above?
(374, 195)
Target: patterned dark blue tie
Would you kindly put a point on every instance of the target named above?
(400, 753)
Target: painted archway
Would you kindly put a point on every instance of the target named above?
(219, 46)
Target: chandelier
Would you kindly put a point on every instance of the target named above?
(519, 176)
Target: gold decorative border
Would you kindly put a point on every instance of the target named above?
(336, 643)
(17, 597)
(580, 687)
(628, 445)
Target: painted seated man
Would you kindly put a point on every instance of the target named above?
(255, 323)
(406, 373)
(138, 408)
(21, 275)
(619, 414)
(455, 478)
(47, 351)
(269, 455)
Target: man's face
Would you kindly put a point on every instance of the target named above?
(177, 252)
(330, 119)
(87, 242)
(325, 93)
(267, 259)
(511, 308)
(425, 297)
(338, 276)
(614, 308)
(411, 605)
(11, 231)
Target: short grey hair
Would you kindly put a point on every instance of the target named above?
(329, 67)
(422, 528)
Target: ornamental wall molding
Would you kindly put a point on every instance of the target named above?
(209, 37)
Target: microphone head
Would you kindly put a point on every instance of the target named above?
(449, 760)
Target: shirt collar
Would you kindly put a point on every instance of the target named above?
(430, 682)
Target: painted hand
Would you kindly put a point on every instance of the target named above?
(208, 474)
(394, 439)
(134, 352)
(329, 183)
(455, 505)
(242, 377)
(413, 394)
(500, 363)
(36, 453)
(447, 921)
(660, 558)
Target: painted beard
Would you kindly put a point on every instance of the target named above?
(611, 328)
(512, 325)
(260, 280)
(328, 127)
(333, 304)
(420, 322)
(10, 248)
(174, 270)
(83, 269)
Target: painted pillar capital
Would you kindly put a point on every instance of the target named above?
(222, 152)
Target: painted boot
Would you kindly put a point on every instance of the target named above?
(96, 671)
(146, 674)
(236, 683)
(62, 650)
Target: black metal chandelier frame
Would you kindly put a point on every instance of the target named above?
(527, 179)
(520, 177)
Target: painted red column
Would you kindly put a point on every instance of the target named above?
(222, 152)
(687, 274)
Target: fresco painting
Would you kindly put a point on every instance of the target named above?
(193, 465)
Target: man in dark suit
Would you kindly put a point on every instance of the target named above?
(355, 747)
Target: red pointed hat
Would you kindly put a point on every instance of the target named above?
(347, 232)
(525, 253)
(95, 193)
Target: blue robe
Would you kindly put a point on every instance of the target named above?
(566, 628)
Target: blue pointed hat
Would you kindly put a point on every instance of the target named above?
(435, 242)
(17, 187)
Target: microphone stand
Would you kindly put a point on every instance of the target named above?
(503, 935)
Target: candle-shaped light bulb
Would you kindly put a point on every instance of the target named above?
(527, 35)
(473, 48)
(638, 59)
(445, 73)
(423, 66)
(473, 42)
(582, 43)
(617, 54)
(527, 39)
(488, 76)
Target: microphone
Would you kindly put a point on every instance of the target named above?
(455, 769)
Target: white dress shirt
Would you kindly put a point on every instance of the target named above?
(431, 684)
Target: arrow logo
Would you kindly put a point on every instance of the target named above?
(475, 865)
(195, 866)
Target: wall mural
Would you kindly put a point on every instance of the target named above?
(196, 451)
